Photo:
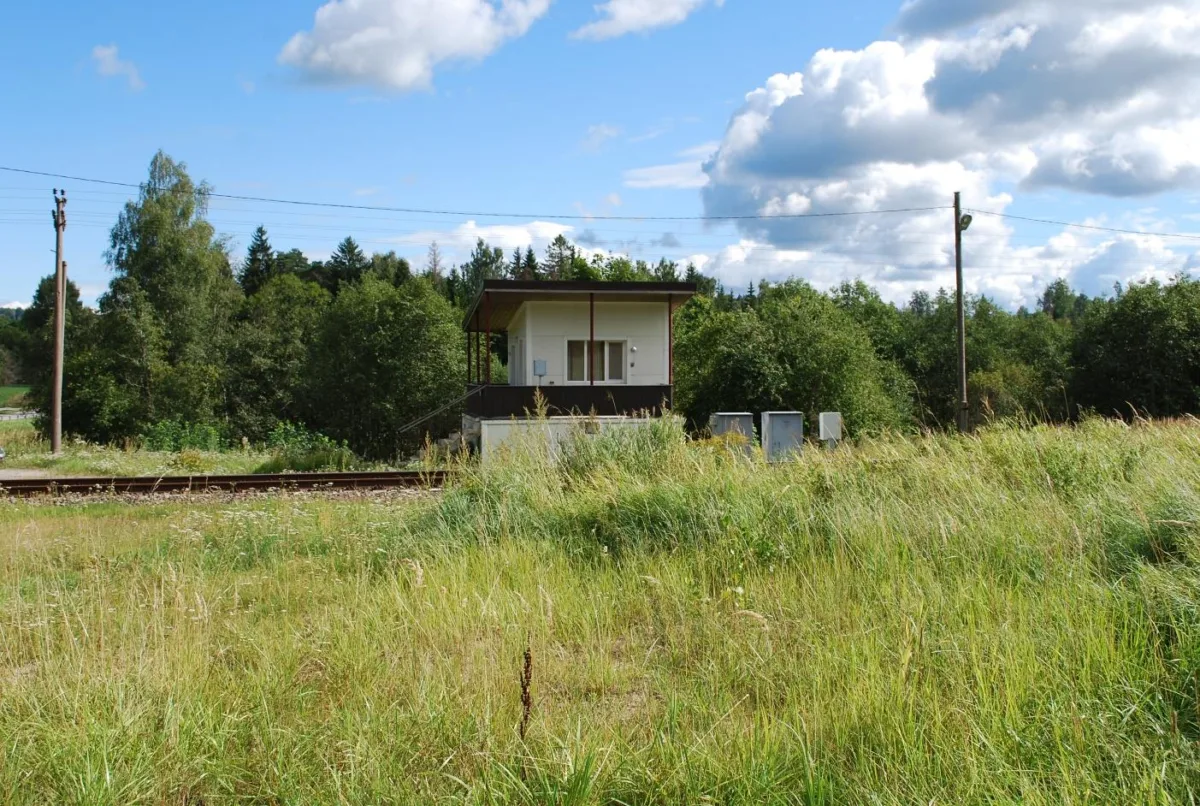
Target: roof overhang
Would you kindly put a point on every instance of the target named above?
(499, 300)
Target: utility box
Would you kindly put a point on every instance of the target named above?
(782, 434)
(726, 424)
(831, 428)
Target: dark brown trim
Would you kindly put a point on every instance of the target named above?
(487, 340)
(591, 356)
(550, 288)
(502, 402)
(671, 339)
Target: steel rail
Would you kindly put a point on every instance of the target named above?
(149, 485)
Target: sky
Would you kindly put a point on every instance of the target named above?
(760, 139)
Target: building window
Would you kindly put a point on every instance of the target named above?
(577, 361)
(607, 356)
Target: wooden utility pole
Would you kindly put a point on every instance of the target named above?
(960, 224)
(60, 317)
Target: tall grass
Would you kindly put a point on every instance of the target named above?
(1012, 618)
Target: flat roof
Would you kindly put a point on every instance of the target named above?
(505, 297)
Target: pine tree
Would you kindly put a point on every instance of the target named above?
(532, 270)
(347, 264)
(259, 266)
(516, 267)
(559, 256)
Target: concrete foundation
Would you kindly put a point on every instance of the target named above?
(487, 436)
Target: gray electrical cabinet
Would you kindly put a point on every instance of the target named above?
(831, 428)
(727, 423)
(782, 435)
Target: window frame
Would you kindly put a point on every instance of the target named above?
(603, 372)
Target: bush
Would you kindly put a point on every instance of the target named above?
(174, 436)
(297, 449)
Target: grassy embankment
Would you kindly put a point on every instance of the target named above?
(28, 451)
(1011, 618)
(12, 396)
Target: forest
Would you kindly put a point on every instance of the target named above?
(359, 346)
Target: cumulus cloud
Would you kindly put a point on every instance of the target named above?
(15, 306)
(396, 44)
(1097, 98)
(110, 64)
(456, 243)
(620, 17)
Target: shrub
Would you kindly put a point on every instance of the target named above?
(175, 436)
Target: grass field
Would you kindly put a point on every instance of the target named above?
(1013, 618)
(28, 451)
(12, 396)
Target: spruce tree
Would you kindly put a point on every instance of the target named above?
(532, 270)
(259, 266)
(347, 264)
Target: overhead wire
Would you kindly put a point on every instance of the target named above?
(1093, 227)
(488, 214)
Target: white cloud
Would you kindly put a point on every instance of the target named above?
(1099, 98)
(15, 306)
(109, 64)
(620, 17)
(598, 135)
(685, 175)
(396, 44)
(613, 199)
(456, 243)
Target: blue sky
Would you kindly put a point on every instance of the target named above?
(625, 107)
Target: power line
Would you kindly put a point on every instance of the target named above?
(489, 214)
(1190, 236)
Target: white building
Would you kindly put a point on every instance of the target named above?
(590, 348)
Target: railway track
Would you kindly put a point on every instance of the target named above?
(149, 485)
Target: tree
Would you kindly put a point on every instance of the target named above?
(433, 263)
(37, 356)
(259, 265)
(382, 358)
(532, 271)
(391, 268)
(485, 263)
(292, 262)
(269, 359)
(560, 256)
(174, 284)
(346, 266)
(516, 269)
(795, 350)
(1141, 350)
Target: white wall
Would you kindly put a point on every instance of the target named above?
(519, 374)
(550, 325)
(555, 430)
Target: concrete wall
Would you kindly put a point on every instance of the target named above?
(548, 326)
(494, 433)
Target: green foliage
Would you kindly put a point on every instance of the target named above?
(346, 266)
(383, 357)
(259, 266)
(174, 436)
(796, 350)
(1141, 351)
(160, 349)
(269, 357)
